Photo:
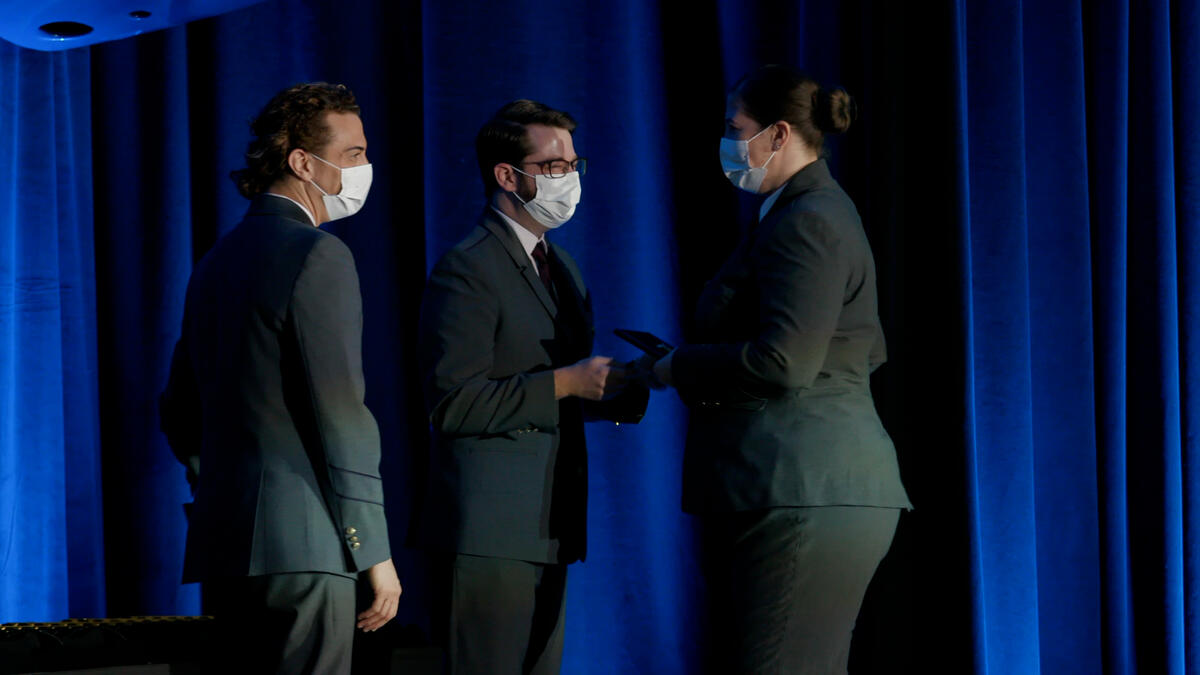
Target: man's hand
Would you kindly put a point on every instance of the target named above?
(387, 596)
(591, 378)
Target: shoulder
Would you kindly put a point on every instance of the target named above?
(317, 247)
(321, 255)
(808, 218)
(479, 250)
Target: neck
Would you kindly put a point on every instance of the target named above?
(293, 188)
(785, 165)
(508, 204)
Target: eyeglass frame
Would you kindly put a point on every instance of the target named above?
(579, 164)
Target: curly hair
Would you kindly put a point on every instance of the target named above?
(294, 118)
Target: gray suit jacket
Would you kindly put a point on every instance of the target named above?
(265, 405)
(781, 398)
(508, 466)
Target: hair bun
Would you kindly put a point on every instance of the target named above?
(833, 110)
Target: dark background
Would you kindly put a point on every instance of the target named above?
(1027, 173)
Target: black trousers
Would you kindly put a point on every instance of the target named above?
(495, 616)
(292, 623)
(785, 585)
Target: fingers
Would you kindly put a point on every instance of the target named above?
(598, 372)
(380, 612)
(387, 596)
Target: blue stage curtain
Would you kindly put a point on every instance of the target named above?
(51, 539)
(1077, 134)
(1028, 174)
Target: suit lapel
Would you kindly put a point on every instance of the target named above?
(500, 229)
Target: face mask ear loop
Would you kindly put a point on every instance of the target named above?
(515, 193)
(314, 183)
(760, 133)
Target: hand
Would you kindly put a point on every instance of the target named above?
(617, 380)
(662, 369)
(387, 596)
(641, 370)
(590, 378)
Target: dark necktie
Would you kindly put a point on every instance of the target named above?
(543, 265)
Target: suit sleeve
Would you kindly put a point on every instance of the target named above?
(801, 278)
(326, 315)
(627, 407)
(878, 355)
(179, 412)
(459, 319)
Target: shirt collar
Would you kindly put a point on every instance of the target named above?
(766, 206)
(529, 240)
(306, 211)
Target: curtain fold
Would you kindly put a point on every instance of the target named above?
(1106, 41)
(1004, 502)
(51, 539)
(1185, 73)
(1060, 321)
(1152, 357)
(143, 259)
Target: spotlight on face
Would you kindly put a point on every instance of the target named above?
(54, 25)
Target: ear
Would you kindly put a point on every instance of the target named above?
(506, 177)
(780, 133)
(300, 164)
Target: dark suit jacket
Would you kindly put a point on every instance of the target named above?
(780, 395)
(265, 398)
(508, 466)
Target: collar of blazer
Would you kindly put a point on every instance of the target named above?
(500, 230)
(270, 205)
(811, 177)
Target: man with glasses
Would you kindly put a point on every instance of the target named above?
(505, 350)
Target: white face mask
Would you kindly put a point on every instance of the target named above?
(735, 161)
(556, 198)
(356, 183)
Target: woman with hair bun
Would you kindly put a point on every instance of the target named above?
(787, 465)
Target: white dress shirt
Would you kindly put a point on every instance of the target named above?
(529, 240)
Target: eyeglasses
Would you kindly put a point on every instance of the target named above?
(557, 168)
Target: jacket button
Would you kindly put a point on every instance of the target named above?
(351, 530)
(355, 545)
(353, 539)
